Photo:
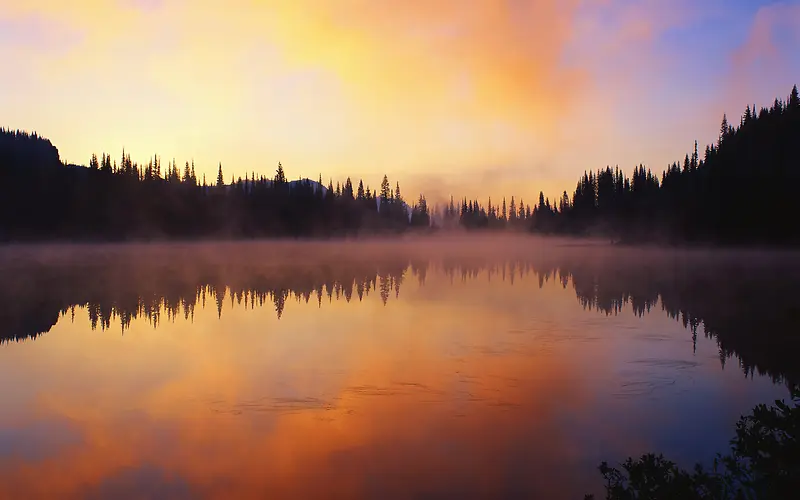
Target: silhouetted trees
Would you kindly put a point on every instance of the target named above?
(472, 215)
(763, 464)
(420, 217)
(740, 192)
(42, 199)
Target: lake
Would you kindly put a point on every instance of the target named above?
(440, 368)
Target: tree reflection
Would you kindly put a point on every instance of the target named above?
(747, 307)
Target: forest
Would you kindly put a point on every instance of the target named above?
(42, 199)
(738, 191)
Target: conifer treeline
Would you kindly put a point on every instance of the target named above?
(740, 190)
(42, 199)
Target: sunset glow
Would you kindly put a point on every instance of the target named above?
(481, 98)
(316, 393)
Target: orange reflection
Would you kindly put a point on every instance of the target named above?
(341, 401)
(470, 388)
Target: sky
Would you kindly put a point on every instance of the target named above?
(449, 97)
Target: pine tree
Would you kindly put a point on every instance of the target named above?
(360, 193)
(348, 189)
(280, 177)
(723, 129)
(384, 189)
(794, 99)
(106, 165)
(423, 205)
(220, 179)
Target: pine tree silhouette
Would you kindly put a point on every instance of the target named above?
(741, 191)
(220, 179)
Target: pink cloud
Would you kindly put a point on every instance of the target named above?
(760, 44)
(767, 63)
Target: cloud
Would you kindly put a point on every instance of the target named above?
(535, 90)
(767, 62)
(490, 60)
(771, 22)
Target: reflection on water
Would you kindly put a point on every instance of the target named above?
(462, 369)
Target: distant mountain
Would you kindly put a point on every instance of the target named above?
(314, 185)
(292, 184)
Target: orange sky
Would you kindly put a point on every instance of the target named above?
(493, 97)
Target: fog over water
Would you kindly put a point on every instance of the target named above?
(455, 367)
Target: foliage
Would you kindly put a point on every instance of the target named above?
(763, 464)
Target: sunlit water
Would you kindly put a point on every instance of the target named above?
(347, 371)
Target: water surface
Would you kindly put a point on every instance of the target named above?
(435, 369)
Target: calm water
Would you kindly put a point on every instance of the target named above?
(440, 369)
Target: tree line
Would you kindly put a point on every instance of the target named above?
(738, 191)
(40, 198)
(741, 190)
